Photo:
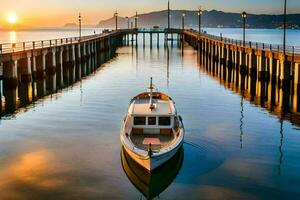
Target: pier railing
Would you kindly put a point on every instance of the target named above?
(5, 48)
(40, 44)
(24, 46)
(277, 48)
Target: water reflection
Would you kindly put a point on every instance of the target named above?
(12, 37)
(280, 146)
(263, 93)
(151, 185)
(242, 120)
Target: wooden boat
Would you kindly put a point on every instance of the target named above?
(152, 132)
(152, 185)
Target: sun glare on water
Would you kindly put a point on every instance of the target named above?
(12, 18)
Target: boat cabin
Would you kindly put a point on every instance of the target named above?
(152, 123)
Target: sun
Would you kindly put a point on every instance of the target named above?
(12, 18)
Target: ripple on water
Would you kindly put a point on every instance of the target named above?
(200, 157)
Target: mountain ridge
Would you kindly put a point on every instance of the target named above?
(210, 19)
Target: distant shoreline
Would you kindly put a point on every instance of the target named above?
(98, 28)
(47, 29)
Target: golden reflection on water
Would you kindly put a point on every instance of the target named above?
(32, 170)
(12, 36)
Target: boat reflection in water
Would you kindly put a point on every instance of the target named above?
(154, 183)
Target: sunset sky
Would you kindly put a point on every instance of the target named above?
(49, 13)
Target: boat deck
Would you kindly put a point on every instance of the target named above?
(165, 140)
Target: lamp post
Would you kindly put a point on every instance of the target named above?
(136, 20)
(169, 15)
(116, 16)
(79, 20)
(199, 20)
(127, 19)
(183, 16)
(244, 16)
(284, 28)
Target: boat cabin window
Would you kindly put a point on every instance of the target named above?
(139, 121)
(164, 121)
(151, 121)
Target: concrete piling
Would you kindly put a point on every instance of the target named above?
(10, 73)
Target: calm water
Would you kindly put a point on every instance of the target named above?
(269, 36)
(66, 145)
(34, 35)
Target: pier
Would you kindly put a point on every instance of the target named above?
(28, 60)
(22, 62)
(70, 59)
(264, 61)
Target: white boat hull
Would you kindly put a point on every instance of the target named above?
(153, 162)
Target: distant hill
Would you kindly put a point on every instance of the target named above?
(211, 19)
(74, 25)
(70, 25)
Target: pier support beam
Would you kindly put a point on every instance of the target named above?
(10, 73)
(262, 67)
(51, 61)
(243, 66)
(253, 64)
(297, 74)
(272, 63)
(296, 98)
(40, 62)
(285, 70)
(24, 68)
(78, 60)
(59, 67)
(151, 40)
(229, 58)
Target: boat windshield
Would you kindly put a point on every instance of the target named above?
(164, 121)
(152, 121)
(138, 121)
